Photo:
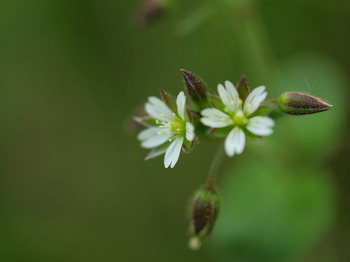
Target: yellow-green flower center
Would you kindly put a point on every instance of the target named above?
(177, 126)
(239, 119)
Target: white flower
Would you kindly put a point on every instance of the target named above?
(238, 116)
(171, 127)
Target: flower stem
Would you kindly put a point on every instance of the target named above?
(215, 166)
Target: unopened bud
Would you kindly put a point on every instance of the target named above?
(302, 104)
(196, 88)
(205, 208)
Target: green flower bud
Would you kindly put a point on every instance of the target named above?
(196, 88)
(301, 104)
(204, 210)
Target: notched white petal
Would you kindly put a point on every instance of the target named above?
(189, 131)
(158, 109)
(229, 96)
(148, 133)
(254, 99)
(235, 142)
(213, 117)
(155, 141)
(181, 104)
(173, 152)
(261, 125)
(233, 95)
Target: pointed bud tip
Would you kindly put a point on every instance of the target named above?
(187, 75)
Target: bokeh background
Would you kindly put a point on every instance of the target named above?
(74, 185)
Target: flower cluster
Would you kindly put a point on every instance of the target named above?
(234, 113)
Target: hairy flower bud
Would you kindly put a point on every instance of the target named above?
(205, 208)
(302, 104)
(196, 88)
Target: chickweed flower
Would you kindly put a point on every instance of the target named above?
(238, 116)
(169, 130)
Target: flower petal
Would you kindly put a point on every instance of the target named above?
(189, 131)
(254, 100)
(173, 152)
(181, 103)
(148, 133)
(235, 142)
(157, 109)
(229, 96)
(213, 117)
(156, 140)
(261, 125)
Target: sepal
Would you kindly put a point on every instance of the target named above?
(168, 100)
(243, 88)
(145, 121)
(158, 151)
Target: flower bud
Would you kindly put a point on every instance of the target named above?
(196, 88)
(301, 104)
(204, 210)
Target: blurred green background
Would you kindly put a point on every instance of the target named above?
(74, 186)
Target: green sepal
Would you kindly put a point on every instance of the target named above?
(243, 88)
(250, 135)
(188, 145)
(216, 102)
(221, 132)
(262, 111)
(158, 151)
(146, 121)
(168, 100)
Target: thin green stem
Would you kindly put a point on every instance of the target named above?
(215, 166)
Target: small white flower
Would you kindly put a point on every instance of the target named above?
(238, 116)
(170, 127)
